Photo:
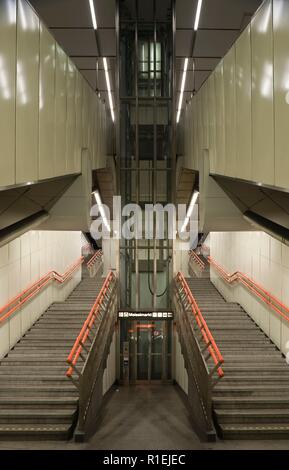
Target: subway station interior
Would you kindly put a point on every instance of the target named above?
(144, 224)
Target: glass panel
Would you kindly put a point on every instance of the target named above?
(156, 370)
(142, 367)
(142, 338)
(157, 337)
(146, 349)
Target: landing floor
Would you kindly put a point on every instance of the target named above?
(146, 417)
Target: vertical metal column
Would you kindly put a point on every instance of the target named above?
(155, 160)
(137, 160)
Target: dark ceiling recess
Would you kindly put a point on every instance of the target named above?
(266, 203)
(221, 22)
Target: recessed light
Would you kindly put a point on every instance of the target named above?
(93, 15)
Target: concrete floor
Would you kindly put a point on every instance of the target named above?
(146, 417)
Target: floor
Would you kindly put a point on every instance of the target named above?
(148, 418)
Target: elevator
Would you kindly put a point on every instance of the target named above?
(145, 351)
(146, 147)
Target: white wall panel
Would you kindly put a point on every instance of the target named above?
(262, 96)
(243, 103)
(281, 91)
(71, 117)
(23, 262)
(212, 123)
(79, 129)
(7, 91)
(205, 107)
(220, 119)
(262, 258)
(46, 105)
(230, 112)
(27, 101)
(60, 111)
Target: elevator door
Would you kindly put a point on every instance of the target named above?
(150, 339)
(149, 344)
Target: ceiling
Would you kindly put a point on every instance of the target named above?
(220, 24)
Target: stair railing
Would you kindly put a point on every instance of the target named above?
(94, 263)
(196, 259)
(92, 347)
(202, 356)
(255, 288)
(196, 265)
(36, 288)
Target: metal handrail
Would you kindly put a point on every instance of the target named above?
(32, 290)
(81, 339)
(97, 255)
(259, 291)
(207, 336)
(197, 259)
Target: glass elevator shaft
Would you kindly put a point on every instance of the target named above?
(146, 144)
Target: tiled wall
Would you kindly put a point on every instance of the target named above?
(24, 261)
(241, 112)
(48, 112)
(266, 261)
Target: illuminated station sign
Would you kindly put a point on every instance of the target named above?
(143, 315)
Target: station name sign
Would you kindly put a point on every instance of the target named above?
(142, 315)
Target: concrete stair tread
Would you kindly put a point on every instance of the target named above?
(252, 399)
(254, 430)
(38, 400)
(35, 431)
(36, 413)
(264, 412)
(243, 401)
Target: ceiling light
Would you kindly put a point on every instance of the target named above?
(182, 89)
(108, 88)
(93, 15)
(101, 210)
(198, 14)
(190, 210)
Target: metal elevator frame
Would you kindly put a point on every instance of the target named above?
(132, 165)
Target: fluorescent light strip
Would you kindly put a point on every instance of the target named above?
(190, 210)
(182, 89)
(101, 210)
(93, 15)
(108, 88)
(198, 14)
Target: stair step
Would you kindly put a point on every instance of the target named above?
(21, 390)
(262, 415)
(38, 403)
(237, 403)
(36, 379)
(257, 358)
(252, 399)
(250, 390)
(12, 416)
(255, 431)
(38, 431)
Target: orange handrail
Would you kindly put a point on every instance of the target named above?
(97, 255)
(253, 287)
(206, 333)
(32, 290)
(197, 259)
(84, 332)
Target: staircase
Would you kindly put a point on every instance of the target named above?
(252, 400)
(37, 400)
